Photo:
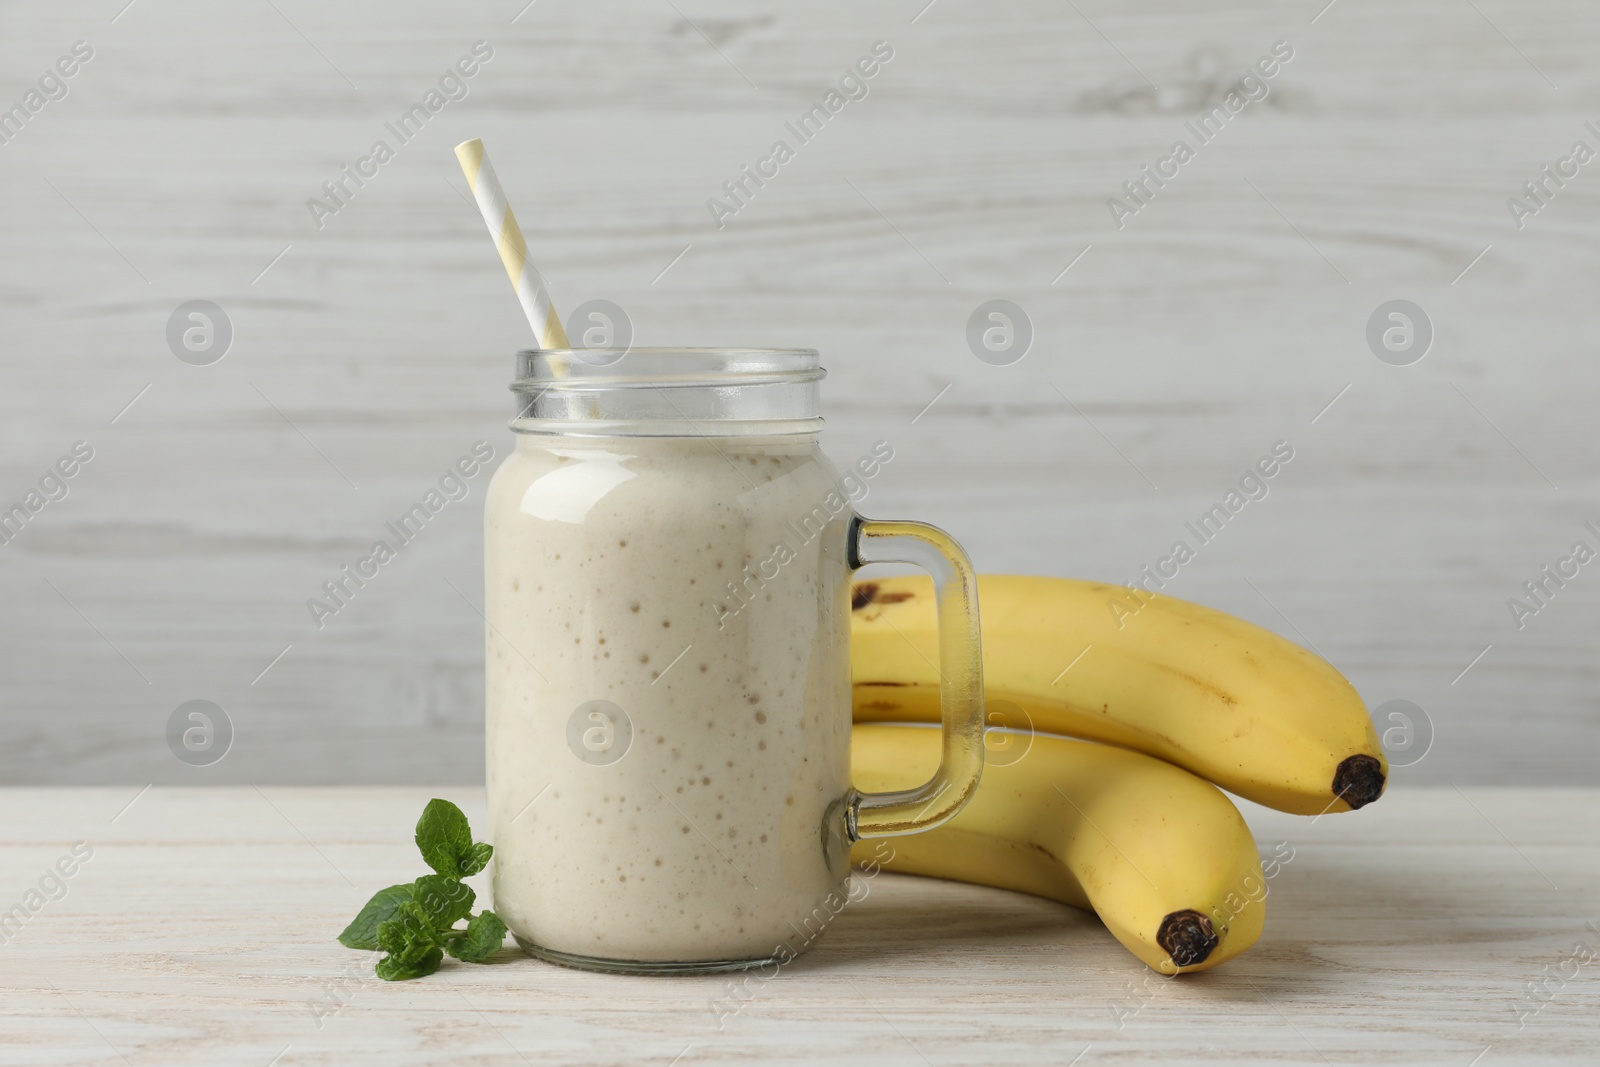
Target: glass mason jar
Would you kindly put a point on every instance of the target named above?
(667, 566)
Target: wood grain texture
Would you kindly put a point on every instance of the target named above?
(202, 931)
(1225, 316)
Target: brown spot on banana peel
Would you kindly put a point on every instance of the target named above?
(1226, 697)
(1359, 780)
(1187, 937)
(869, 593)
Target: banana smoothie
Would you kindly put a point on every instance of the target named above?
(666, 673)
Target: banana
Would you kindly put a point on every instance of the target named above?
(1237, 705)
(1161, 856)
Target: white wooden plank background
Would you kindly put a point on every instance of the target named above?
(1218, 321)
(202, 932)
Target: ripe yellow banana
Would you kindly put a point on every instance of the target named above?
(1237, 705)
(1161, 856)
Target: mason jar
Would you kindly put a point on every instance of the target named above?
(668, 560)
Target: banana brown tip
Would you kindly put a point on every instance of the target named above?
(1187, 937)
(1359, 780)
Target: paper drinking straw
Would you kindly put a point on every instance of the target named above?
(525, 277)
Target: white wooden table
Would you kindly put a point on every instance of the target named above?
(201, 931)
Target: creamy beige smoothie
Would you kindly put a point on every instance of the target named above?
(668, 693)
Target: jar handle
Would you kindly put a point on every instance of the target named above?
(955, 587)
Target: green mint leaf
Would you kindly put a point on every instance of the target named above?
(411, 942)
(442, 901)
(409, 934)
(476, 859)
(485, 934)
(363, 929)
(397, 969)
(444, 838)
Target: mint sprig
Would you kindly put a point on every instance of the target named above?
(414, 923)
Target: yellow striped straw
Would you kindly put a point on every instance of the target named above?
(502, 224)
